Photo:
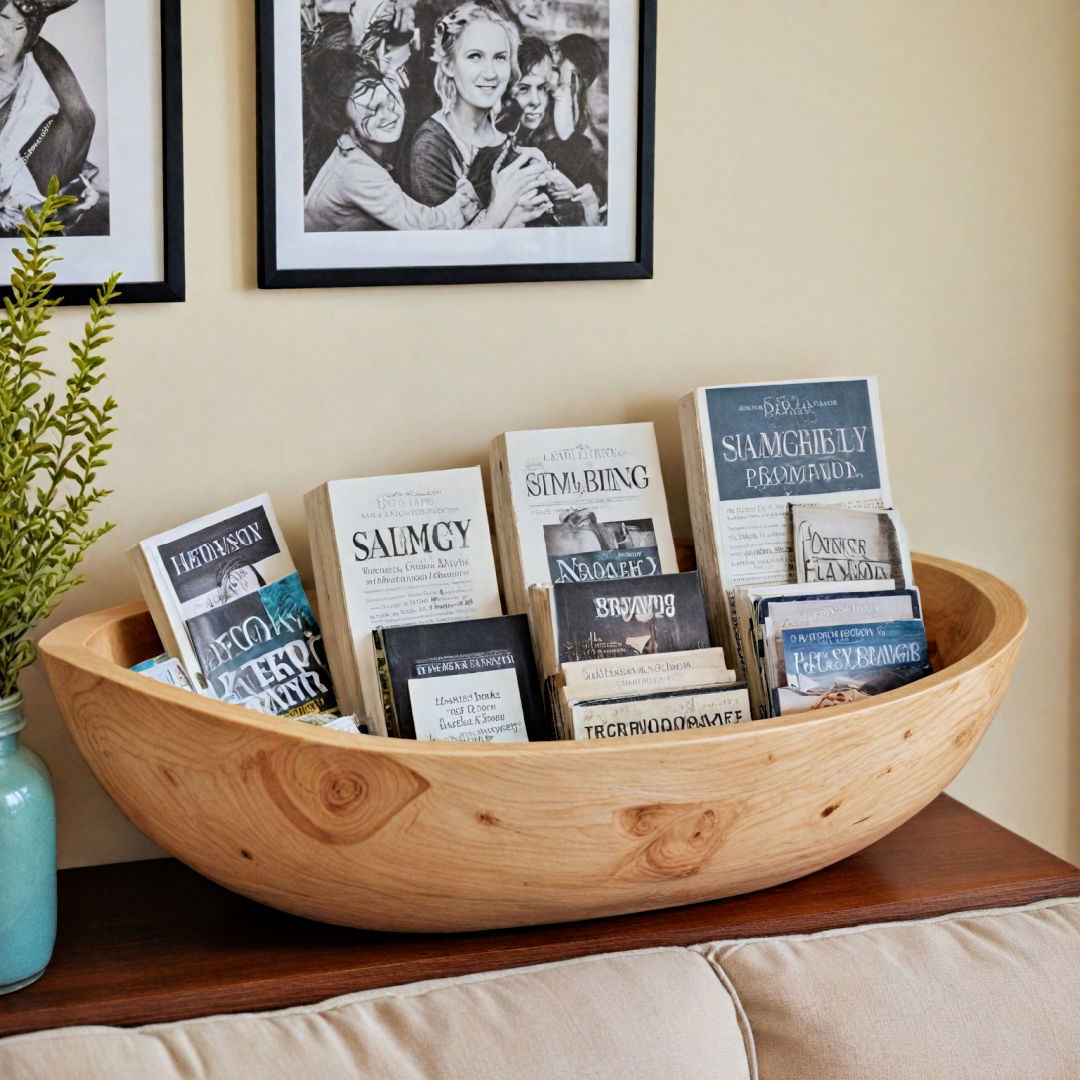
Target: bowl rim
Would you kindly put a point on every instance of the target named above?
(69, 644)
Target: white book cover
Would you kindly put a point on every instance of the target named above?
(837, 545)
(623, 676)
(768, 446)
(209, 562)
(589, 504)
(411, 549)
(659, 714)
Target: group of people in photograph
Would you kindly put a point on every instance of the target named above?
(424, 114)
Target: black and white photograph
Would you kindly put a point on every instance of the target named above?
(54, 111)
(89, 95)
(406, 141)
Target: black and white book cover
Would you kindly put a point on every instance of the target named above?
(661, 713)
(603, 620)
(580, 504)
(207, 563)
(264, 651)
(471, 681)
(398, 550)
(752, 452)
(837, 545)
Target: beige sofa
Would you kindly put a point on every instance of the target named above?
(989, 995)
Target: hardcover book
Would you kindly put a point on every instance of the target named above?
(834, 665)
(657, 714)
(836, 545)
(205, 564)
(264, 651)
(579, 504)
(472, 681)
(396, 551)
(754, 450)
(607, 620)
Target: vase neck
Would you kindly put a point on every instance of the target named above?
(12, 721)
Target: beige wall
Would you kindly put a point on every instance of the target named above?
(844, 187)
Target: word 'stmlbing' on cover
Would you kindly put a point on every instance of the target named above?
(579, 504)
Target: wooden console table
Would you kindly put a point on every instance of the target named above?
(153, 941)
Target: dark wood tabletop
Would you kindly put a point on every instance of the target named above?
(153, 941)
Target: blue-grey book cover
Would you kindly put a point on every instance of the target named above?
(834, 665)
(810, 438)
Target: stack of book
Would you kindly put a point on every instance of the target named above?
(397, 551)
(803, 597)
(230, 610)
(805, 564)
(587, 550)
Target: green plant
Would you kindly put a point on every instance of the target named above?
(52, 443)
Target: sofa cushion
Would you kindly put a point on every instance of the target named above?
(991, 995)
(636, 1016)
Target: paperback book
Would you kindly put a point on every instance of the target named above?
(396, 551)
(579, 505)
(837, 546)
(661, 713)
(264, 651)
(165, 669)
(834, 665)
(629, 676)
(752, 452)
(609, 620)
(205, 564)
(774, 615)
(765, 610)
(472, 681)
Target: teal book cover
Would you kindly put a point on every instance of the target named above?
(265, 651)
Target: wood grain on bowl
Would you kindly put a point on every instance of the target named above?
(441, 837)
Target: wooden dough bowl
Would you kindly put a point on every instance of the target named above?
(395, 835)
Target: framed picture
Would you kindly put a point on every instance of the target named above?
(90, 93)
(409, 142)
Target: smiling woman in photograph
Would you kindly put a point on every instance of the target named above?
(355, 190)
(475, 54)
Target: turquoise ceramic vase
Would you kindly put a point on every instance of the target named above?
(27, 856)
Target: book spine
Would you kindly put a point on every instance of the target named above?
(393, 729)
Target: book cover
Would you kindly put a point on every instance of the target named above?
(747, 598)
(834, 665)
(605, 620)
(777, 614)
(165, 669)
(836, 545)
(658, 714)
(264, 651)
(398, 551)
(630, 676)
(206, 563)
(754, 450)
(587, 504)
(471, 681)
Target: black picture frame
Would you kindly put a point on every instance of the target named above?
(271, 276)
(172, 288)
